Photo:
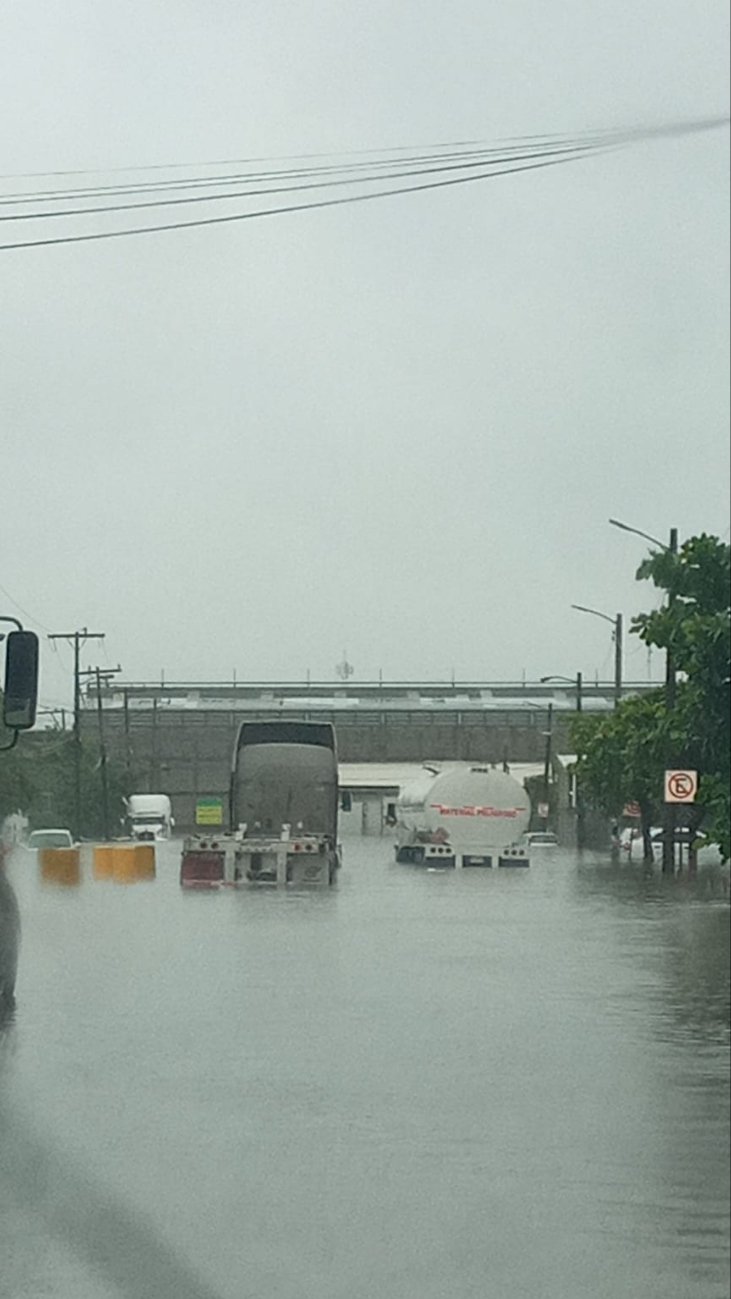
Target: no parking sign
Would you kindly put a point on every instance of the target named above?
(681, 786)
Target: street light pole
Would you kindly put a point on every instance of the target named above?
(669, 814)
(570, 681)
(618, 647)
(670, 819)
(618, 624)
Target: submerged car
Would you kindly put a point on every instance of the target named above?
(50, 839)
(541, 839)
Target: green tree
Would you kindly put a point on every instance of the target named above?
(623, 756)
(694, 625)
(37, 777)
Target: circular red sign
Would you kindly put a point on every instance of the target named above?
(681, 784)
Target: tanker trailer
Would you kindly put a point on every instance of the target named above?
(464, 817)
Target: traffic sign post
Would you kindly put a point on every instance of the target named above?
(681, 786)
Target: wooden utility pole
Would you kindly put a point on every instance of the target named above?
(77, 639)
(103, 676)
(127, 745)
(153, 746)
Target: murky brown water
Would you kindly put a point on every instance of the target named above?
(415, 1086)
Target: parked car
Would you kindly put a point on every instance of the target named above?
(50, 839)
(541, 839)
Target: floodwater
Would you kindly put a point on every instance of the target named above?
(413, 1086)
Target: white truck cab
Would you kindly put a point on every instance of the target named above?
(150, 817)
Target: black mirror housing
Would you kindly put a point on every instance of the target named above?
(20, 699)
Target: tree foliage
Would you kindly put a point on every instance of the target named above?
(37, 778)
(623, 756)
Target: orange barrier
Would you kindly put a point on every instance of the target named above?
(124, 863)
(144, 861)
(60, 866)
(103, 861)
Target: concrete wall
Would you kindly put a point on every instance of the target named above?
(186, 753)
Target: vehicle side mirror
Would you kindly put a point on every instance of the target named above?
(346, 802)
(21, 680)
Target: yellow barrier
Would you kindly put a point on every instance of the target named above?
(124, 863)
(103, 861)
(60, 866)
(145, 861)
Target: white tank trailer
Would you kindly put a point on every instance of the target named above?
(463, 817)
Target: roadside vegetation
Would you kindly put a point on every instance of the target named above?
(37, 779)
(623, 756)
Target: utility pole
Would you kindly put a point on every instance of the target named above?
(153, 747)
(127, 747)
(547, 765)
(77, 639)
(102, 676)
(670, 818)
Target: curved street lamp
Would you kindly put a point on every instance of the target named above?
(616, 622)
(577, 681)
(668, 845)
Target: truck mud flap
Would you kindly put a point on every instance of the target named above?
(202, 870)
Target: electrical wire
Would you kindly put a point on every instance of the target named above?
(18, 198)
(25, 612)
(96, 236)
(261, 158)
(388, 157)
(288, 189)
(599, 143)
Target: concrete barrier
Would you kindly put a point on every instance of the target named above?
(103, 861)
(127, 863)
(144, 861)
(60, 866)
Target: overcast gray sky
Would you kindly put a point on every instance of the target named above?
(398, 427)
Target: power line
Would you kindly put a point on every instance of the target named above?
(602, 142)
(283, 211)
(628, 133)
(603, 135)
(289, 189)
(261, 158)
(20, 609)
(17, 198)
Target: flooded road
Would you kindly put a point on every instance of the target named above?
(413, 1086)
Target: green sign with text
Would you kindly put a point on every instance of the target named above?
(209, 811)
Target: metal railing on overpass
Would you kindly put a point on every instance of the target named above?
(372, 692)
